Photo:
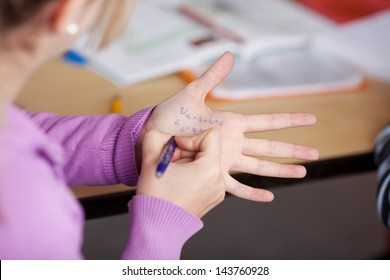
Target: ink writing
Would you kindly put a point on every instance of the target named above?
(194, 123)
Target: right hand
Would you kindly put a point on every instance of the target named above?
(193, 180)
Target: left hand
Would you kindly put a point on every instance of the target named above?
(186, 113)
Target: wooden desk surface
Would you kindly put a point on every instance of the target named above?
(348, 122)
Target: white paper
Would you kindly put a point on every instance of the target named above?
(292, 72)
(364, 43)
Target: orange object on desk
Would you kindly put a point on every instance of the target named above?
(116, 106)
(343, 11)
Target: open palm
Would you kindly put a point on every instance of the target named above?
(186, 113)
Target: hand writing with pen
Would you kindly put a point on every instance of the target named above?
(186, 114)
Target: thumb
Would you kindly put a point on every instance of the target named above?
(212, 77)
(206, 143)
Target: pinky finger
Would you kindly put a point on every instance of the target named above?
(249, 193)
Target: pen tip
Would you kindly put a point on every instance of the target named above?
(159, 174)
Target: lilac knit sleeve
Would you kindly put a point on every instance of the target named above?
(158, 229)
(99, 149)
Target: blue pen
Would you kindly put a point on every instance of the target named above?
(166, 156)
(75, 58)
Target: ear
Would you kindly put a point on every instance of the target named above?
(66, 15)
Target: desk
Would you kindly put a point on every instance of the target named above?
(348, 123)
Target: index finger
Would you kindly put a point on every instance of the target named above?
(274, 121)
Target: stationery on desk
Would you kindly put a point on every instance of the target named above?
(164, 39)
(293, 72)
(283, 61)
(336, 60)
(272, 41)
(116, 105)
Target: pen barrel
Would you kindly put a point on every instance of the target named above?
(166, 157)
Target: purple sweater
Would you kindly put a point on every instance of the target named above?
(42, 154)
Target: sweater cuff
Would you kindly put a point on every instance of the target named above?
(125, 150)
(158, 229)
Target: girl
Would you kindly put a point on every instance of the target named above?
(42, 153)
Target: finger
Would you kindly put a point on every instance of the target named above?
(212, 77)
(243, 191)
(152, 145)
(183, 155)
(266, 168)
(274, 121)
(269, 148)
(208, 142)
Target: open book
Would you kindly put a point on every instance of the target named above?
(163, 38)
(159, 41)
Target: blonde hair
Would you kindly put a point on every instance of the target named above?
(111, 21)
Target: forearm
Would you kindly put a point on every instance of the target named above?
(158, 229)
(99, 150)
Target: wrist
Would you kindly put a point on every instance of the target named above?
(125, 158)
(138, 149)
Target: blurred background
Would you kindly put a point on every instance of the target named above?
(325, 219)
